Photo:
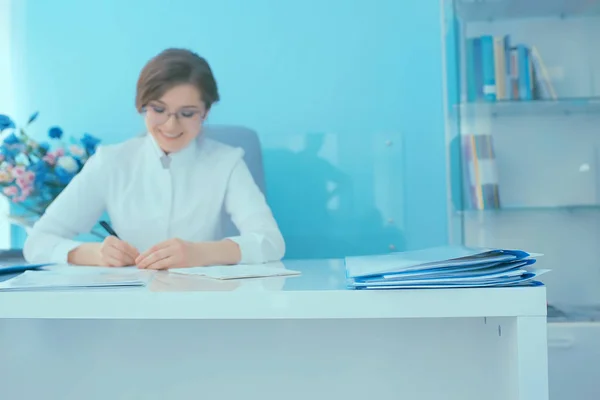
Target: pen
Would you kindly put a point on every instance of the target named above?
(108, 229)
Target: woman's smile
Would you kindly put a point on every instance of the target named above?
(172, 135)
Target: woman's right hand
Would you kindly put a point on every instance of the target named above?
(112, 252)
(115, 252)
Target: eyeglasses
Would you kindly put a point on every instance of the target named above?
(158, 115)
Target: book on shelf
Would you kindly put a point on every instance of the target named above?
(500, 71)
(480, 172)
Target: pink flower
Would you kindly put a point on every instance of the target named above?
(50, 158)
(18, 171)
(10, 191)
(26, 180)
(23, 183)
(25, 192)
(58, 152)
(1, 157)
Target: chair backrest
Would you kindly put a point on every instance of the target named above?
(247, 139)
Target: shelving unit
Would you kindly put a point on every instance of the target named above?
(565, 107)
(495, 10)
(540, 158)
(568, 209)
(543, 153)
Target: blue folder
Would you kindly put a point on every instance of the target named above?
(17, 268)
(427, 259)
(447, 266)
(453, 272)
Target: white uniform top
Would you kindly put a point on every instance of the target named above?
(148, 203)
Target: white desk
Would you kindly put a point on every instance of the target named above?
(278, 338)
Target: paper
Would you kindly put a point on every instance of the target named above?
(92, 269)
(515, 273)
(55, 280)
(437, 257)
(465, 271)
(241, 271)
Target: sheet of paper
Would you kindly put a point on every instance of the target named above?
(238, 271)
(54, 280)
(89, 269)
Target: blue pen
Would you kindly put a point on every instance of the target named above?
(108, 229)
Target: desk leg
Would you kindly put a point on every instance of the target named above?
(531, 358)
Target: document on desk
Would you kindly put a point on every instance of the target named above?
(92, 269)
(56, 280)
(512, 276)
(526, 279)
(452, 266)
(481, 270)
(427, 259)
(241, 271)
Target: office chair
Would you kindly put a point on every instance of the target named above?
(247, 139)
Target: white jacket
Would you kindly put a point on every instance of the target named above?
(148, 203)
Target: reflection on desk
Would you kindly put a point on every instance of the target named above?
(169, 282)
(315, 275)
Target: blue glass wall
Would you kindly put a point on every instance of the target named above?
(347, 99)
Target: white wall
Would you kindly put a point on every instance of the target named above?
(6, 99)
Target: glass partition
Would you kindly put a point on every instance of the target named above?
(345, 100)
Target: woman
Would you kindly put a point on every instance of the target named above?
(165, 192)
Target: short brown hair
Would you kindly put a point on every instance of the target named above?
(174, 67)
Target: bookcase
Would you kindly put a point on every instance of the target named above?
(523, 127)
(523, 87)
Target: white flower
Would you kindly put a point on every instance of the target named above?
(77, 150)
(67, 163)
(21, 159)
(5, 176)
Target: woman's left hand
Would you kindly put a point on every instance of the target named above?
(173, 253)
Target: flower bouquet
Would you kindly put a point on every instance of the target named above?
(32, 173)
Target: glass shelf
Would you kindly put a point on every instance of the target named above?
(573, 313)
(559, 209)
(565, 107)
(490, 10)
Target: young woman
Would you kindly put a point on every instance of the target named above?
(165, 192)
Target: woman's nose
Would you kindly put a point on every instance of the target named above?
(171, 122)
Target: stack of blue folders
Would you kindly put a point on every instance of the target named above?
(443, 267)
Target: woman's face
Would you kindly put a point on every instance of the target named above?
(176, 118)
